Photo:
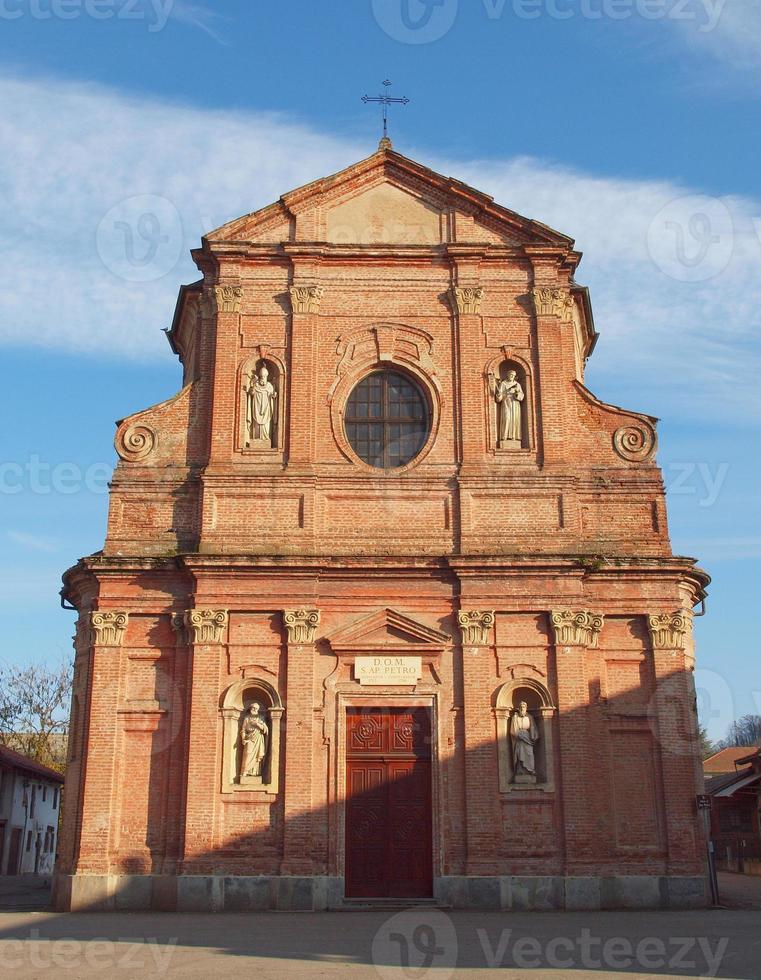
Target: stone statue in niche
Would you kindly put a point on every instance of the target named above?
(525, 735)
(508, 394)
(261, 397)
(254, 735)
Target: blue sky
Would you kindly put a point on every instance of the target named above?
(630, 124)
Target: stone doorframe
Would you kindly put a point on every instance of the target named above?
(379, 700)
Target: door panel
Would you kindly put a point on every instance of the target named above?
(14, 853)
(388, 806)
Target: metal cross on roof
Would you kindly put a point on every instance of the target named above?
(385, 100)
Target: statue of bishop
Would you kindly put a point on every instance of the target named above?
(260, 407)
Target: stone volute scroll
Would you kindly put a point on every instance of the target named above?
(551, 301)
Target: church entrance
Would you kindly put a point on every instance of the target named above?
(389, 846)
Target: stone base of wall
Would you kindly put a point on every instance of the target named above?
(218, 893)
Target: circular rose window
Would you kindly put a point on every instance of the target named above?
(387, 419)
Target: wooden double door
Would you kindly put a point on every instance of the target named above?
(389, 836)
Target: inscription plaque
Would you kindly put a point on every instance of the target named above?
(388, 670)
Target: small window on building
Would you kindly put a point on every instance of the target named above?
(44, 793)
(55, 799)
(32, 804)
(29, 840)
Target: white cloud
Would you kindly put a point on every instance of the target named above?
(730, 30)
(32, 542)
(75, 154)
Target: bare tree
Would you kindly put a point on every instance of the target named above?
(746, 731)
(34, 711)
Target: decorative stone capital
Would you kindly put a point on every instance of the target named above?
(228, 298)
(549, 301)
(301, 625)
(466, 299)
(668, 630)
(475, 626)
(206, 625)
(576, 628)
(306, 299)
(225, 298)
(108, 628)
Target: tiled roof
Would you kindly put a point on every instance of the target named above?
(724, 761)
(15, 760)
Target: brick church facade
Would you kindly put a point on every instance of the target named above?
(387, 606)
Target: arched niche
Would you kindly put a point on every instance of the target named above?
(497, 372)
(247, 442)
(235, 703)
(542, 710)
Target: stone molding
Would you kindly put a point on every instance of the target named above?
(109, 627)
(580, 628)
(550, 301)
(466, 299)
(206, 626)
(668, 631)
(306, 299)
(475, 626)
(301, 625)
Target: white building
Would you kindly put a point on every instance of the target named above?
(30, 802)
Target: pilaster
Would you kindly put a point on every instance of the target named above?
(482, 814)
(222, 305)
(99, 787)
(206, 635)
(677, 736)
(306, 296)
(301, 627)
(574, 633)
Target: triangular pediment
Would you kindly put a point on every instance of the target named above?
(388, 199)
(388, 630)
